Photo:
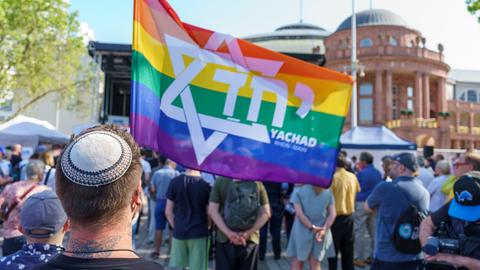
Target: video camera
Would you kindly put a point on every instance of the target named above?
(445, 241)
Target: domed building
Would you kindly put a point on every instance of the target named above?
(401, 83)
(300, 40)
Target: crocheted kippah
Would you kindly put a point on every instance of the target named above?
(96, 158)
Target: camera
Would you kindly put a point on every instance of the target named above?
(441, 242)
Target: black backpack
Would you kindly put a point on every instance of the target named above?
(242, 205)
(405, 235)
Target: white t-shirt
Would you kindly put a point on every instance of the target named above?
(426, 176)
(5, 167)
(50, 182)
(146, 166)
(437, 197)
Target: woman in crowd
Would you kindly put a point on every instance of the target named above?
(49, 173)
(315, 213)
(11, 201)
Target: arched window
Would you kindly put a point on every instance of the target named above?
(392, 41)
(366, 42)
(366, 104)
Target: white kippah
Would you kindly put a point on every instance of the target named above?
(96, 158)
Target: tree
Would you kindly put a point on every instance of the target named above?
(40, 52)
(473, 6)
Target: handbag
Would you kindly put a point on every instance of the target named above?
(6, 208)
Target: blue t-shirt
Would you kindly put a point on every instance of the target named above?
(190, 196)
(30, 255)
(368, 178)
(389, 202)
(161, 179)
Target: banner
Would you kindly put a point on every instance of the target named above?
(219, 104)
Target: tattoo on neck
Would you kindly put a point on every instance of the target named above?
(77, 246)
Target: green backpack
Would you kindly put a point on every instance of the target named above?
(241, 205)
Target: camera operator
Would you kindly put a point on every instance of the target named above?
(461, 220)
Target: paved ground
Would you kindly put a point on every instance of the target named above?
(144, 248)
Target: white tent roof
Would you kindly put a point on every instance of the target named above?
(374, 138)
(30, 132)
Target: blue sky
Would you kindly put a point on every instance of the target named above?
(440, 21)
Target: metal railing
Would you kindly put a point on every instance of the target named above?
(386, 50)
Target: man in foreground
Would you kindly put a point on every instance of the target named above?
(99, 185)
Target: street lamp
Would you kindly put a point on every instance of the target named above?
(353, 122)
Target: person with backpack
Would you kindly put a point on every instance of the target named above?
(400, 207)
(239, 209)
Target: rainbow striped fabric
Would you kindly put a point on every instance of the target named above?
(219, 104)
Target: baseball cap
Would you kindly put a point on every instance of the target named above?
(406, 159)
(466, 205)
(43, 212)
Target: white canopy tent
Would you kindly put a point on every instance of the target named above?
(30, 132)
(379, 141)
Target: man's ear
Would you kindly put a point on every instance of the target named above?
(66, 226)
(137, 194)
(21, 229)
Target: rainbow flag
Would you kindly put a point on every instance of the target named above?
(219, 104)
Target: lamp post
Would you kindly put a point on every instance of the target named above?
(353, 113)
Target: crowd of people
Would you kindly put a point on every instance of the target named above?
(95, 188)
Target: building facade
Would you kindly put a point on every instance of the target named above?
(402, 84)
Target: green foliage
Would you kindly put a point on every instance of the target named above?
(473, 7)
(445, 114)
(406, 112)
(40, 51)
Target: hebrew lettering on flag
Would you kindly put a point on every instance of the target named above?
(222, 105)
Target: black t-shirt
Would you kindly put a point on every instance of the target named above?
(274, 192)
(14, 160)
(190, 195)
(62, 262)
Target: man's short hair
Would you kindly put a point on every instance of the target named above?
(341, 162)
(366, 157)
(474, 159)
(34, 169)
(99, 205)
(443, 166)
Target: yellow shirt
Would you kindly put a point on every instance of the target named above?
(344, 188)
